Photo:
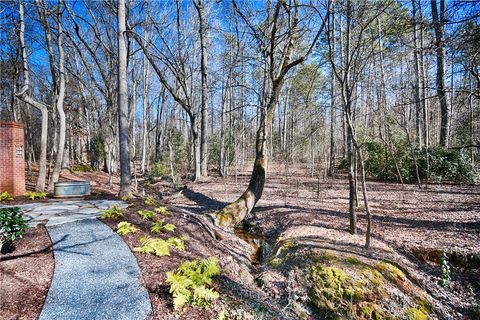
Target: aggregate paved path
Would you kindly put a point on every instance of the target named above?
(56, 212)
(96, 276)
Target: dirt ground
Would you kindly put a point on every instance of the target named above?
(411, 227)
(25, 276)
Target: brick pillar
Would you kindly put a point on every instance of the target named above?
(12, 158)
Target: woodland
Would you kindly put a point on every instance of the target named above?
(325, 151)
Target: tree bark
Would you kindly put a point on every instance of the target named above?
(25, 97)
(123, 126)
(438, 25)
(59, 103)
(331, 168)
(235, 212)
(200, 6)
(416, 60)
(146, 108)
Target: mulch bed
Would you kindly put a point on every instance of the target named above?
(25, 275)
(236, 279)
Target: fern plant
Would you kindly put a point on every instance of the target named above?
(158, 247)
(146, 214)
(156, 226)
(169, 227)
(112, 213)
(5, 196)
(188, 285)
(124, 228)
(162, 211)
(178, 243)
(36, 195)
(150, 201)
(126, 198)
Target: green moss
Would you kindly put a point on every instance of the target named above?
(367, 310)
(416, 314)
(275, 262)
(224, 220)
(390, 271)
(327, 257)
(424, 305)
(334, 291)
(288, 244)
(353, 261)
(375, 277)
(373, 311)
(279, 257)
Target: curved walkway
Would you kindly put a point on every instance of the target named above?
(96, 276)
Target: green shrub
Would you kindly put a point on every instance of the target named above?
(112, 213)
(442, 165)
(12, 224)
(124, 228)
(5, 196)
(159, 170)
(445, 271)
(36, 195)
(446, 165)
(188, 285)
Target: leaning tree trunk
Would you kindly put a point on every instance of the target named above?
(236, 211)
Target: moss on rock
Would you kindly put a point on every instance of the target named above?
(346, 287)
(416, 314)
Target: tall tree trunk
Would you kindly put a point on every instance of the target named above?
(25, 97)
(416, 60)
(200, 6)
(146, 108)
(60, 98)
(438, 26)
(123, 126)
(331, 168)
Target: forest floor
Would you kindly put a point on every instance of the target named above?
(411, 226)
(302, 218)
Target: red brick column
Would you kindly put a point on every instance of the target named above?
(12, 158)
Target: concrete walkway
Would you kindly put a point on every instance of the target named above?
(96, 276)
(56, 212)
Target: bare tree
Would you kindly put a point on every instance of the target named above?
(123, 126)
(58, 82)
(24, 95)
(438, 26)
(277, 48)
(200, 6)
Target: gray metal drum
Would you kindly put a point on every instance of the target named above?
(66, 189)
